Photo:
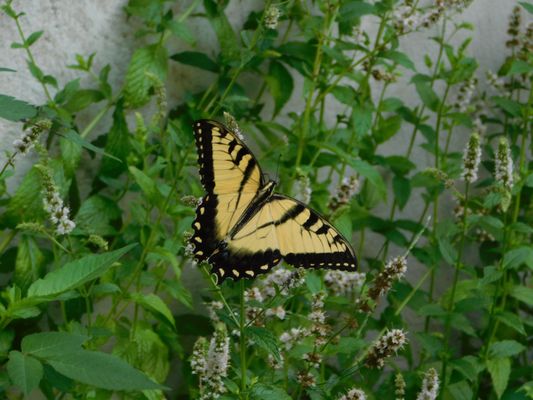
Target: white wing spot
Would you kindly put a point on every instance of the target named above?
(221, 272)
(235, 272)
(197, 225)
(264, 267)
(346, 264)
(251, 273)
(202, 210)
(198, 239)
(199, 253)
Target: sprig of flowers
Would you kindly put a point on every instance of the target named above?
(28, 139)
(430, 386)
(471, 159)
(353, 394)
(384, 347)
(504, 164)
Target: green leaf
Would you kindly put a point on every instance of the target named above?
(527, 6)
(82, 99)
(117, 145)
(499, 369)
(512, 321)
(180, 30)
(460, 391)
(402, 190)
(400, 58)
(227, 38)
(355, 9)
(344, 94)
(387, 128)
(74, 137)
(145, 60)
(509, 106)
(33, 38)
(76, 273)
(362, 119)
(101, 370)
(372, 175)
(265, 339)
(468, 366)
(24, 371)
(153, 303)
(313, 282)
(280, 84)
(3, 69)
(449, 253)
(523, 294)
(52, 344)
(147, 184)
(15, 110)
(196, 59)
(29, 263)
(96, 214)
(516, 257)
(427, 95)
(505, 348)
(519, 67)
(261, 391)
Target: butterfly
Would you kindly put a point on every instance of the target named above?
(242, 227)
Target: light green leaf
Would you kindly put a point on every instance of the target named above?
(147, 184)
(180, 30)
(355, 9)
(499, 369)
(402, 190)
(459, 391)
(527, 6)
(101, 370)
(76, 273)
(74, 137)
(96, 214)
(512, 321)
(29, 263)
(427, 95)
(369, 172)
(153, 303)
(24, 371)
(519, 67)
(15, 110)
(505, 348)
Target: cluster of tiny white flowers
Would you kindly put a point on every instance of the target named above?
(212, 309)
(430, 386)
(216, 365)
(471, 159)
(232, 125)
(496, 83)
(394, 270)
(302, 189)
(504, 164)
(253, 294)
(466, 93)
(306, 379)
(353, 394)
(198, 359)
(274, 363)
(278, 312)
(24, 144)
(384, 347)
(294, 335)
(344, 282)
(58, 212)
(347, 189)
(272, 15)
(314, 359)
(399, 386)
(284, 279)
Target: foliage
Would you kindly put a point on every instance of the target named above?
(90, 289)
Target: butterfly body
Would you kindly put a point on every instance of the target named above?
(242, 227)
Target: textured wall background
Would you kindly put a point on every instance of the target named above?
(101, 26)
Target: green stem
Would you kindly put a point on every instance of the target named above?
(242, 337)
(451, 303)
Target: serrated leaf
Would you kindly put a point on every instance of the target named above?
(153, 303)
(362, 119)
(460, 391)
(96, 214)
(76, 273)
(280, 84)
(52, 344)
(355, 9)
(180, 30)
(265, 339)
(512, 321)
(29, 262)
(82, 99)
(505, 348)
(510, 106)
(261, 391)
(101, 370)
(74, 137)
(24, 371)
(145, 60)
(400, 58)
(147, 184)
(499, 369)
(15, 110)
(117, 145)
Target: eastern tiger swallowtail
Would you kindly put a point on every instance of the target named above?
(242, 228)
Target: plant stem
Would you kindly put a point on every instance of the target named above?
(242, 337)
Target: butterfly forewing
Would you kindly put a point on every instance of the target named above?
(231, 178)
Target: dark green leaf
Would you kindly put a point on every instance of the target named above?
(147, 184)
(76, 273)
(33, 38)
(29, 263)
(366, 170)
(510, 106)
(101, 370)
(82, 99)
(460, 391)
(527, 6)
(52, 344)
(196, 59)
(516, 257)
(280, 84)
(24, 371)
(117, 145)
(74, 137)
(512, 321)
(261, 391)
(505, 348)
(400, 58)
(427, 95)
(15, 110)
(265, 339)
(523, 294)
(355, 9)
(402, 190)
(3, 69)
(153, 303)
(96, 214)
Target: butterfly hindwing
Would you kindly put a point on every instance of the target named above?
(283, 228)
(231, 177)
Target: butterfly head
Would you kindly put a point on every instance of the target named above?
(267, 190)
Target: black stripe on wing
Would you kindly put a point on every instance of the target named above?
(204, 238)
